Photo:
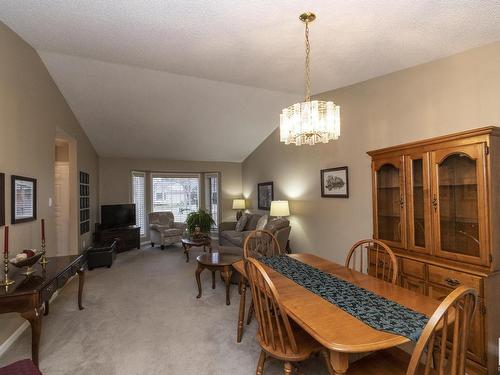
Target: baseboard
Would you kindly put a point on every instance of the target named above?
(12, 339)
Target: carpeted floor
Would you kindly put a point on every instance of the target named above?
(142, 317)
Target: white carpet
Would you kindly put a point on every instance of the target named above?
(142, 317)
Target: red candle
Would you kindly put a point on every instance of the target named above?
(6, 242)
(43, 229)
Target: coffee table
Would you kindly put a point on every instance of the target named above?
(188, 243)
(216, 262)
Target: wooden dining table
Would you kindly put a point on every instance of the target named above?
(338, 331)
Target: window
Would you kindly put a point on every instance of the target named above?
(179, 194)
(139, 198)
(212, 196)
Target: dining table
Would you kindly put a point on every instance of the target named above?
(338, 331)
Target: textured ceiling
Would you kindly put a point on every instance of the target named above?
(152, 43)
(142, 113)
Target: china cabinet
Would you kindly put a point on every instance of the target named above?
(436, 203)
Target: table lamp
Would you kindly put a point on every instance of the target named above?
(238, 204)
(280, 209)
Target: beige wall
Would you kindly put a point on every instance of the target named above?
(32, 110)
(445, 96)
(115, 180)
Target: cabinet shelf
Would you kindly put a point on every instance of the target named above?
(457, 185)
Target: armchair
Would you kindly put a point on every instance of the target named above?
(163, 230)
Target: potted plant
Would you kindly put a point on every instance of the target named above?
(199, 223)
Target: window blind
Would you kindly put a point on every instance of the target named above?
(139, 198)
(212, 197)
(178, 194)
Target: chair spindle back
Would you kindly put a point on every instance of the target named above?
(274, 326)
(261, 243)
(446, 335)
(373, 257)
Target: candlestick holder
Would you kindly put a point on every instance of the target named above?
(44, 260)
(6, 281)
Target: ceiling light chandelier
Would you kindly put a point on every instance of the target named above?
(312, 121)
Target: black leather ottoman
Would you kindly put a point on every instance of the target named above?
(101, 255)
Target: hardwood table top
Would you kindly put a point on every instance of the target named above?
(196, 241)
(218, 259)
(334, 328)
(39, 279)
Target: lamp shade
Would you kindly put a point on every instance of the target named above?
(238, 204)
(280, 208)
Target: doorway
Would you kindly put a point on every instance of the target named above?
(64, 195)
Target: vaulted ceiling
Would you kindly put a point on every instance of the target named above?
(206, 79)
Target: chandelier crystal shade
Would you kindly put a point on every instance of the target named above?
(312, 121)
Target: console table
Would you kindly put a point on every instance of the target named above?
(30, 296)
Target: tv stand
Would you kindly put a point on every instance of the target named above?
(127, 238)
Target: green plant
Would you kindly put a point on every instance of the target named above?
(199, 219)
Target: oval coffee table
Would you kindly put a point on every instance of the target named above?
(216, 262)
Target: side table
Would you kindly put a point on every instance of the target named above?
(216, 262)
(188, 243)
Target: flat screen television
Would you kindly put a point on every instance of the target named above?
(117, 215)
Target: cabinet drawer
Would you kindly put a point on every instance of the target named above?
(453, 279)
(413, 284)
(412, 268)
(48, 291)
(62, 279)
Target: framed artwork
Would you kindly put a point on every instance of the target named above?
(23, 198)
(2, 199)
(335, 183)
(265, 192)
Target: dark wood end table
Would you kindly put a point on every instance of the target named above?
(188, 243)
(216, 262)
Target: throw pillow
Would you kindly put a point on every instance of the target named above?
(252, 221)
(261, 224)
(241, 223)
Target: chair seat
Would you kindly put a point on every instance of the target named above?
(24, 367)
(306, 345)
(388, 362)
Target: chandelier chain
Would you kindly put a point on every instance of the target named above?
(308, 62)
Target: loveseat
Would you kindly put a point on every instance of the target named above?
(229, 236)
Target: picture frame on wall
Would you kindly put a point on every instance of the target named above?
(335, 182)
(265, 195)
(2, 199)
(23, 199)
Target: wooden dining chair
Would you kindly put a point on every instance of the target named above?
(261, 243)
(258, 243)
(373, 257)
(277, 335)
(438, 351)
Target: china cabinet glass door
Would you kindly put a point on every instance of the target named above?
(459, 193)
(418, 198)
(390, 201)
